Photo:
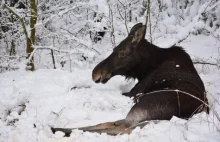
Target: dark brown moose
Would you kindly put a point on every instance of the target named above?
(168, 84)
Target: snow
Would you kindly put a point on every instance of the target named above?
(168, 3)
(59, 134)
(50, 101)
(33, 101)
(194, 9)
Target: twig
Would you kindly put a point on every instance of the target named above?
(125, 15)
(177, 91)
(53, 48)
(120, 13)
(150, 29)
(141, 94)
(205, 63)
(48, 48)
(7, 67)
(148, 12)
(215, 36)
(212, 6)
(181, 40)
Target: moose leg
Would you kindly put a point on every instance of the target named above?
(141, 87)
(111, 128)
(102, 126)
(138, 88)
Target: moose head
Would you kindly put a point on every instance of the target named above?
(124, 58)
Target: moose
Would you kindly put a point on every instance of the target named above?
(168, 83)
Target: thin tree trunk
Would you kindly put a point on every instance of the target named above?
(130, 13)
(52, 54)
(33, 21)
(12, 50)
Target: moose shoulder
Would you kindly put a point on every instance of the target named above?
(167, 79)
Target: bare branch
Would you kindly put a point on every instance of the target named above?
(148, 12)
(125, 15)
(120, 13)
(21, 19)
(206, 63)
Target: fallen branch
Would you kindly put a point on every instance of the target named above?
(55, 49)
(49, 48)
(8, 67)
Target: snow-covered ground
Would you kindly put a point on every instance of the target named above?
(31, 102)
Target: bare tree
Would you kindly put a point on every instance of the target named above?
(29, 40)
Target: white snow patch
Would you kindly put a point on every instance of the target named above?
(59, 134)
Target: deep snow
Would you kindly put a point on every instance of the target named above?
(32, 101)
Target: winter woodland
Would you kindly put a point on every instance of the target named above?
(48, 49)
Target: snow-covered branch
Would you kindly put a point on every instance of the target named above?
(19, 17)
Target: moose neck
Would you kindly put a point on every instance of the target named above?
(150, 57)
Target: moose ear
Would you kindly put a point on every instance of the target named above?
(134, 28)
(139, 34)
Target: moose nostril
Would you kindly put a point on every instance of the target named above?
(97, 81)
(97, 78)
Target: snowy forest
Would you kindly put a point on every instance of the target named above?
(49, 48)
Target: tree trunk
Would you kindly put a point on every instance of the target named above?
(130, 13)
(31, 40)
(12, 50)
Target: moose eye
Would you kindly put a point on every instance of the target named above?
(121, 54)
